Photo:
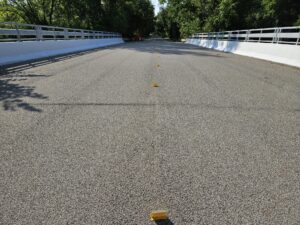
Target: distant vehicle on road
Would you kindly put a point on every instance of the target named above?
(137, 38)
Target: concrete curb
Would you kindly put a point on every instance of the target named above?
(280, 53)
(16, 52)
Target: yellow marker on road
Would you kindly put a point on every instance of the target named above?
(155, 85)
(158, 215)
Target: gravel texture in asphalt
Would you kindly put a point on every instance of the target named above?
(107, 136)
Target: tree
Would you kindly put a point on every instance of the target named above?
(125, 16)
(218, 15)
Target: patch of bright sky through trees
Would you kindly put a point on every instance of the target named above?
(156, 5)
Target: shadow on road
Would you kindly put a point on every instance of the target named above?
(11, 95)
(18, 67)
(170, 48)
(161, 47)
(164, 222)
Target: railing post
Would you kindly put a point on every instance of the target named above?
(278, 38)
(259, 39)
(247, 35)
(38, 31)
(18, 32)
(82, 35)
(66, 36)
(54, 34)
(298, 39)
(274, 35)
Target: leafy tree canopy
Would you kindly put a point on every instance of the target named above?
(181, 18)
(129, 17)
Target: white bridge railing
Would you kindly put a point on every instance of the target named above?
(277, 35)
(10, 31)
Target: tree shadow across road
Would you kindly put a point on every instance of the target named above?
(12, 94)
(165, 47)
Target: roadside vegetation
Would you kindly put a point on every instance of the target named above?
(129, 17)
(181, 18)
(135, 18)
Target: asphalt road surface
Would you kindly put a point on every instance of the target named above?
(106, 136)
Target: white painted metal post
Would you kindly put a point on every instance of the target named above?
(66, 36)
(247, 35)
(39, 36)
(229, 36)
(18, 32)
(278, 38)
(260, 36)
(274, 35)
(54, 33)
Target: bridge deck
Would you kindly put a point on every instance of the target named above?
(105, 137)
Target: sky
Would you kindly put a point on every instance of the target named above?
(156, 4)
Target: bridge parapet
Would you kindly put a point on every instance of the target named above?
(23, 42)
(11, 31)
(276, 35)
(279, 44)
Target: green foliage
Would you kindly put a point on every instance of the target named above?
(129, 17)
(192, 16)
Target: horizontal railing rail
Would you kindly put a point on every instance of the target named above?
(276, 35)
(11, 31)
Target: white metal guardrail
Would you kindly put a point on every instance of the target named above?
(277, 35)
(11, 31)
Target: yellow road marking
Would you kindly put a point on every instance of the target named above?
(159, 215)
(155, 85)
